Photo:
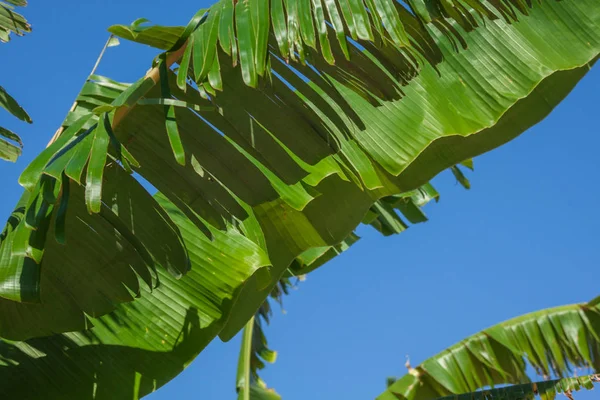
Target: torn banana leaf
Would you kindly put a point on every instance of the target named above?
(272, 173)
(11, 21)
(552, 341)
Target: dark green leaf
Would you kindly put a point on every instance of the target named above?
(10, 104)
(95, 169)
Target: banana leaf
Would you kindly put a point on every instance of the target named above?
(270, 173)
(11, 145)
(554, 342)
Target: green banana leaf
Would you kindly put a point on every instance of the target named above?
(372, 127)
(97, 92)
(11, 21)
(11, 145)
(160, 37)
(260, 193)
(255, 351)
(545, 390)
(553, 341)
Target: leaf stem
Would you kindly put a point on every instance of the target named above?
(122, 112)
(60, 130)
(243, 371)
(100, 56)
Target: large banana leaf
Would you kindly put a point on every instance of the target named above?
(11, 22)
(553, 341)
(65, 346)
(255, 351)
(94, 291)
(299, 160)
(144, 344)
(258, 193)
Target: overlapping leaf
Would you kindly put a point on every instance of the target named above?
(159, 37)
(553, 341)
(255, 350)
(136, 341)
(10, 143)
(357, 144)
(10, 149)
(293, 166)
(298, 28)
(126, 237)
(258, 134)
(10, 104)
(11, 22)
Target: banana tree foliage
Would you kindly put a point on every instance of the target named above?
(378, 125)
(260, 152)
(255, 350)
(553, 341)
(11, 22)
(96, 92)
(545, 390)
(11, 144)
(556, 342)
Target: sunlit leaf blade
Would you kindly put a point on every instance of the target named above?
(553, 341)
(170, 117)
(254, 165)
(321, 27)
(135, 334)
(10, 104)
(11, 146)
(277, 171)
(316, 257)
(279, 21)
(7, 134)
(246, 44)
(376, 132)
(162, 37)
(259, 391)
(72, 154)
(10, 149)
(545, 390)
(255, 351)
(113, 42)
(95, 167)
(259, 10)
(101, 247)
(11, 21)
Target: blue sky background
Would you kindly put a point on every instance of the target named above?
(524, 238)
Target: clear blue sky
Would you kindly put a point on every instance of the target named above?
(524, 238)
